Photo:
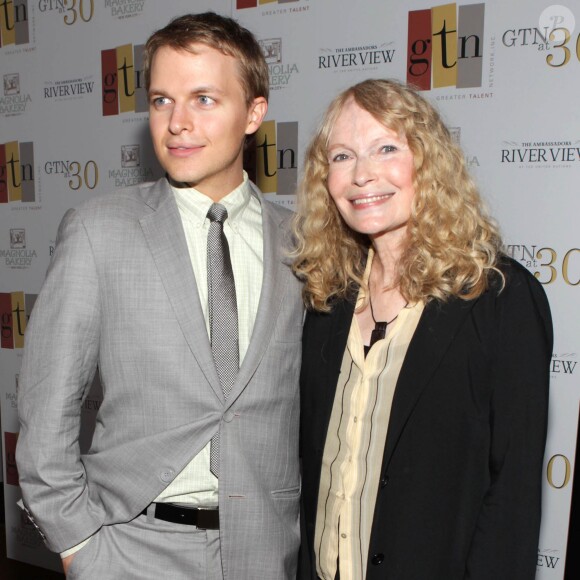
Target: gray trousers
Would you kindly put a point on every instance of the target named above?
(149, 549)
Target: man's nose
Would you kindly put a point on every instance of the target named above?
(181, 120)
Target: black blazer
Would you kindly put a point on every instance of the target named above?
(460, 491)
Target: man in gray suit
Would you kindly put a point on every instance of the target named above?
(127, 291)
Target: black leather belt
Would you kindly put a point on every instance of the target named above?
(203, 519)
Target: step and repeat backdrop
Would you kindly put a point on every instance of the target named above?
(74, 124)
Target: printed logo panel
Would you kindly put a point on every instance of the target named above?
(14, 22)
(277, 157)
(17, 256)
(556, 38)
(445, 46)
(17, 172)
(123, 84)
(10, 440)
(13, 102)
(548, 263)
(15, 309)
(240, 4)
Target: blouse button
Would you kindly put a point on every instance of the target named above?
(377, 559)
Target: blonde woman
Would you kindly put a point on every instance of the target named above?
(425, 357)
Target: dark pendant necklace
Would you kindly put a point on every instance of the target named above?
(380, 330)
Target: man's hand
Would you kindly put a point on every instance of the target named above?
(66, 563)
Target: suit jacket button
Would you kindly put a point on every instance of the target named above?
(384, 481)
(377, 559)
(229, 416)
(167, 475)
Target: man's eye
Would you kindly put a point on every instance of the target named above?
(160, 101)
(205, 100)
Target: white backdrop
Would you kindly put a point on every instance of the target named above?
(73, 124)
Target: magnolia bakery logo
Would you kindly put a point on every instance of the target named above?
(130, 171)
(11, 396)
(122, 9)
(470, 160)
(13, 101)
(17, 256)
(280, 72)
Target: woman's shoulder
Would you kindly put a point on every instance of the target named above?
(516, 287)
(513, 275)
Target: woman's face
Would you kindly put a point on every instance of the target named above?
(370, 174)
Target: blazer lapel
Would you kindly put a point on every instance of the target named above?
(271, 297)
(435, 331)
(163, 231)
(338, 337)
(337, 329)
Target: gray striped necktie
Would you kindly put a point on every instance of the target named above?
(223, 312)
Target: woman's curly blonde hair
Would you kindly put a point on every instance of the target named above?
(452, 245)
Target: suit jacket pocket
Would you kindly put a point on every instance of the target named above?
(287, 493)
(84, 558)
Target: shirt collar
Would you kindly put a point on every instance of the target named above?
(366, 275)
(194, 205)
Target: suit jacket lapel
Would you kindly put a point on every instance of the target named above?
(271, 297)
(163, 231)
(436, 329)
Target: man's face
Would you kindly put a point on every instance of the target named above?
(199, 117)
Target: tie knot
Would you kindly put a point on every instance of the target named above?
(217, 213)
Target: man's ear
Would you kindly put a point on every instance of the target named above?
(256, 114)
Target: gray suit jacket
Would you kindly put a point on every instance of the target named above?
(120, 293)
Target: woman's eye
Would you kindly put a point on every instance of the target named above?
(340, 157)
(388, 149)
